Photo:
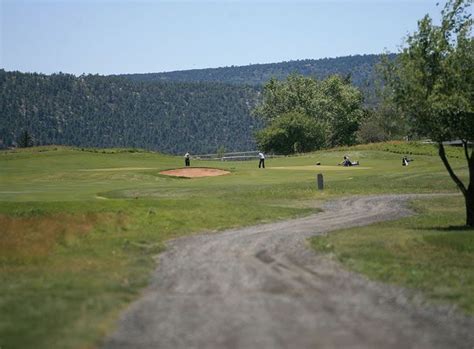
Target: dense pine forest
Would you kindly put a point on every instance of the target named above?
(359, 68)
(100, 111)
(195, 110)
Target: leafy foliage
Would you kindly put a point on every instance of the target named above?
(292, 132)
(384, 120)
(433, 83)
(432, 77)
(382, 123)
(334, 105)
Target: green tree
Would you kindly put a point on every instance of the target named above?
(25, 140)
(340, 105)
(432, 81)
(334, 105)
(292, 132)
(221, 151)
(383, 122)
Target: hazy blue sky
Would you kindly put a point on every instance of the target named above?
(107, 37)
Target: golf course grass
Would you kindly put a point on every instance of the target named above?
(80, 227)
(431, 252)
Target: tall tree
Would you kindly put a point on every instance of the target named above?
(333, 104)
(433, 82)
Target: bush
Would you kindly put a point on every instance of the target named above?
(291, 133)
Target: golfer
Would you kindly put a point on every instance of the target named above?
(347, 162)
(405, 161)
(187, 161)
(261, 163)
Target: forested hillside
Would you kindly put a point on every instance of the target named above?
(359, 67)
(194, 110)
(106, 111)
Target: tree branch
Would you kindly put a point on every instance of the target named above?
(442, 155)
(465, 145)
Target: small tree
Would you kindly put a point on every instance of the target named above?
(432, 81)
(291, 133)
(25, 140)
(221, 151)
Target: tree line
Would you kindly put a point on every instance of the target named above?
(174, 113)
(361, 68)
(107, 111)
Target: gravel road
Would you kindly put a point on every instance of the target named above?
(262, 287)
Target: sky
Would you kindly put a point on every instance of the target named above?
(131, 36)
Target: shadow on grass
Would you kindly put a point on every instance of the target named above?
(451, 228)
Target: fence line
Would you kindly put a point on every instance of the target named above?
(233, 156)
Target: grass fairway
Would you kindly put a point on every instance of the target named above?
(431, 252)
(319, 168)
(79, 228)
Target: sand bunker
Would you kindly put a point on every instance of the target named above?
(194, 172)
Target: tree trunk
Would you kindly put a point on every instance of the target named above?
(470, 207)
(469, 196)
(467, 192)
(444, 159)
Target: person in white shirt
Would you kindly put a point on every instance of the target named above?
(406, 160)
(187, 162)
(262, 160)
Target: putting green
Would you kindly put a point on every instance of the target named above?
(117, 169)
(319, 168)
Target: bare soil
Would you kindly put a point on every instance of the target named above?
(263, 287)
(194, 172)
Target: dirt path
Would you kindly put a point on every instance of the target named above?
(262, 287)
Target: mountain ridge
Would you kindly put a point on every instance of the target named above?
(360, 67)
(192, 110)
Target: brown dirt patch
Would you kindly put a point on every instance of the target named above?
(28, 238)
(194, 172)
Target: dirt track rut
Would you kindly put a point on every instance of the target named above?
(262, 287)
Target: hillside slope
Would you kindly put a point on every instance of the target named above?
(194, 110)
(359, 67)
(99, 111)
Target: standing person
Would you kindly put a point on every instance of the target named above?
(187, 162)
(261, 163)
